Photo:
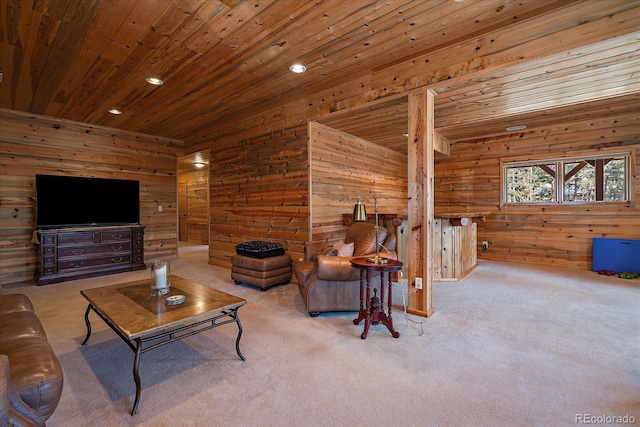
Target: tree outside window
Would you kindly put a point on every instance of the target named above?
(595, 179)
(531, 183)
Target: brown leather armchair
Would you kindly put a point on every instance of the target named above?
(328, 282)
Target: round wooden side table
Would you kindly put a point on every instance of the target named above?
(372, 307)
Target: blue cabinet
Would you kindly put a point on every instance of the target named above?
(619, 255)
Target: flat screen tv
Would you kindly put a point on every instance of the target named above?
(69, 201)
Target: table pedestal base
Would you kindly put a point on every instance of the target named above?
(376, 316)
(373, 313)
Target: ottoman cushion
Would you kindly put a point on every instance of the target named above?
(259, 249)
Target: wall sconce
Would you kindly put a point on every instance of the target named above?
(199, 165)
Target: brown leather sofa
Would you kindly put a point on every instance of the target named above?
(328, 282)
(31, 374)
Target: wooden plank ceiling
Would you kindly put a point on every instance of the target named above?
(223, 60)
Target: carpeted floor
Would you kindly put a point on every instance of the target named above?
(508, 345)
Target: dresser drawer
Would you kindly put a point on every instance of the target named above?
(115, 236)
(93, 262)
(109, 248)
(74, 238)
(48, 239)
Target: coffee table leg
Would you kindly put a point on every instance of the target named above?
(136, 375)
(86, 320)
(235, 316)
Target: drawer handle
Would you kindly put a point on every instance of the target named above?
(118, 249)
(80, 264)
(116, 236)
(76, 239)
(113, 260)
(80, 252)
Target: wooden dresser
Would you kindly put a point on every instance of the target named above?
(76, 253)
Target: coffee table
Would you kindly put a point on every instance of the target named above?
(140, 318)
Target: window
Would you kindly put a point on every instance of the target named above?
(572, 180)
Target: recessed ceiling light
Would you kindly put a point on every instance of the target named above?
(115, 111)
(297, 68)
(519, 127)
(154, 81)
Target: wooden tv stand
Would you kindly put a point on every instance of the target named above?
(76, 253)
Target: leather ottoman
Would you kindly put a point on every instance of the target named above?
(261, 272)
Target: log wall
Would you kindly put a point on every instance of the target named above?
(32, 144)
(551, 234)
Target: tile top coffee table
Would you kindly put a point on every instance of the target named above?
(139, 318)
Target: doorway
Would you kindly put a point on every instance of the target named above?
(193, 198)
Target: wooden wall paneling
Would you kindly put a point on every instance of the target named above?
(195, 211)
(32, 144)
(198, 209)
(258, 191)
(344, 167)
(183, 235)
(466, 249)
(437, 255)
(559, 235)
(454, 250)
(312, 129)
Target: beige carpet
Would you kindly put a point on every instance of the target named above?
(508, 345)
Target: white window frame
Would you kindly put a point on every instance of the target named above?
(559, 162)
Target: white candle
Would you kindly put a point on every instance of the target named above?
(161, 277)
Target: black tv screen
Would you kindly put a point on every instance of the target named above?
(69, 201)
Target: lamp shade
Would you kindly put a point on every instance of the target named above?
(359, 211)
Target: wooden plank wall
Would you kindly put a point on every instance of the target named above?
(553, 235)
(343, 167)
(258, 191)
(454, 249)
(32, 144)
(196, 206)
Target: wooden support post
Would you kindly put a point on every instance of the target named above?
(420, 193)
